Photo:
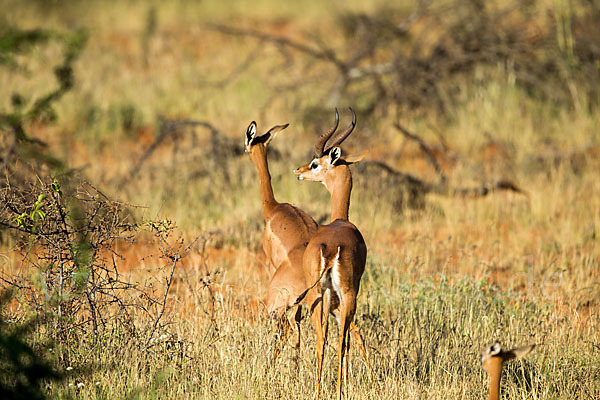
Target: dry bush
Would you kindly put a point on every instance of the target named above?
(422, 60)
(62, 232)
(67, 266)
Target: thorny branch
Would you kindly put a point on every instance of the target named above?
(70, 236)
(173, 256)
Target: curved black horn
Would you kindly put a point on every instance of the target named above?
(342, 136)
(320, 145)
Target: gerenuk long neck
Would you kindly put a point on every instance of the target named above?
(258, 155)
(495, 376)
(340, 187)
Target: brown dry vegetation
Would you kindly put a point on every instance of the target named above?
(446, 275)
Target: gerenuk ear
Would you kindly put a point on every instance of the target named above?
(334, 155)
(273, 132)
(519, 352)
(250, 134)
(356, 158)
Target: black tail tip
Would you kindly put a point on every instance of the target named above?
(300, 298)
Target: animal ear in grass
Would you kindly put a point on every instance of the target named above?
(518, 352)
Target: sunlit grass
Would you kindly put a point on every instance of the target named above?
(442, 280)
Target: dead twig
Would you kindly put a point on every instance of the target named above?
(424, 148)
(170, 127)
(174, 256)
(327, 54)
(442, 188)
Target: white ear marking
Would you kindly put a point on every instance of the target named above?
(334, 155)
(250, 133)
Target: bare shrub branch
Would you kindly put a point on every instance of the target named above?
(67, 241)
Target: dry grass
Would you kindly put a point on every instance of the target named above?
(442, 281)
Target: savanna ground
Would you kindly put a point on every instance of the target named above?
(446, 275)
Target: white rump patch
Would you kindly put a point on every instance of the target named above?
(323, 263)
(335, 274)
